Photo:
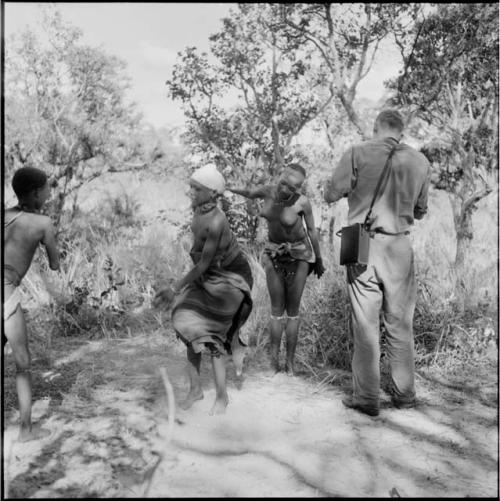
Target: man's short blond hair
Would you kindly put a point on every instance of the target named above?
(391, 119)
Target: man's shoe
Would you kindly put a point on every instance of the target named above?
(365, 409)
(404, 404)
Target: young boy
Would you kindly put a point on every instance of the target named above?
(24, 229)
(213, 300)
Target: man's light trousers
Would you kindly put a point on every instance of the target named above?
(387, 283)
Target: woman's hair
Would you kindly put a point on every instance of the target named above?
(27, 179)
(297, 167)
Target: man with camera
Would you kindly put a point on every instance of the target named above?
(386, 183)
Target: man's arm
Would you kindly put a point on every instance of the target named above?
(49, 240)
(207, 255)
(340, 183)
(420, 208)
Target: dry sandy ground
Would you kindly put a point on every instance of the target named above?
(281, 436)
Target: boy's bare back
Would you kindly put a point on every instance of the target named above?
(22, 237)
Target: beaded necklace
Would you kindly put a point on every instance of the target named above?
(23, 208)
(288, 202)
(205, 207)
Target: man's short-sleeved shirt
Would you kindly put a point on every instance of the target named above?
(401, 199)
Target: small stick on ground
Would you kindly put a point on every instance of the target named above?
(171, 419)
(171, 402)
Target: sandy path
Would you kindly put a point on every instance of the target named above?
(281, 436)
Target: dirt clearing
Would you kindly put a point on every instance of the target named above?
(106, 408)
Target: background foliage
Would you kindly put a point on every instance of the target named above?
(119, 197)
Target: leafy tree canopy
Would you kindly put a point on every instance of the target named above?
(450, 80)
(450, 83)
(65, 107)
(278, 89)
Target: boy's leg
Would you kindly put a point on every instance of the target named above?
(193, 370)
(15, 331)
(221, 398)
(276, 290)
(293, 297)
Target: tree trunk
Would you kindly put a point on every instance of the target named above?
(74, 206)
(462, 217)
(464, 231)
(353, 115)
(56, 208)
(331, 226)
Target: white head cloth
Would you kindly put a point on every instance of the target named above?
(210, 177)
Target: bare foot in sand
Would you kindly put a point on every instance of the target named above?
(190, 399)
(290, 369)
(238, 381)
(220, 405)
(35, 433)
(275, 365)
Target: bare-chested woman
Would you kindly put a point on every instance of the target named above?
(288, 256)
(212, 301)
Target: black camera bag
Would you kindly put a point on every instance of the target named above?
(355, 239)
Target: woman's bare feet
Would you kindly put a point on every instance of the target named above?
(191, 398)
(219, 406)
(290, 368)
(33, 433)
(238, 382)
(275, 364)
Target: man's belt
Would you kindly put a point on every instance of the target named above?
(383, 232)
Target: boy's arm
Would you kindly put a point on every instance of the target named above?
(258, 192)
(207, 255)
(49, 240)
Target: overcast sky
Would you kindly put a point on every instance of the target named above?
(149, 35)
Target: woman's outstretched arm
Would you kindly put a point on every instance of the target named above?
(257, 192)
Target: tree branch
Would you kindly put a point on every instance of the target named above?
(370, 64)
(364, 50)
(311, 116)
(467, 205)
(353, 116)
(328, 136)
(314, 40)
(216, 147)
(60, 134)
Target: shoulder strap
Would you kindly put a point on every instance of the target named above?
(379, 184)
